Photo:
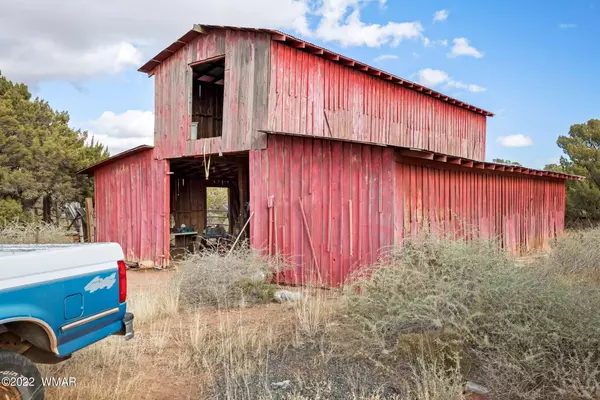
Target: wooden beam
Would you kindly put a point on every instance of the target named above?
(208, 60)
(89, 216)
(440, 158)
(296, 44)
(242, 170)
(425, 155)
(198, 28)
(278, 37)
(330, 56)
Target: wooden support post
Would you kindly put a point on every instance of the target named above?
(350, 226)
(310, 241)
(89, 216)
(81, 238)
(270, 205)
(242, 187)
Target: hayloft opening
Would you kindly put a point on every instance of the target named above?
(208, 89)
(209, 202)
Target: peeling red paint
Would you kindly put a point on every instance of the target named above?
(311, 95)
(361, 199)
(132, 208)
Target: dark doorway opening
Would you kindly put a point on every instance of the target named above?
(209, 201)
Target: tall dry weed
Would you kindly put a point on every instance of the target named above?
(33, 233)
(518, 329)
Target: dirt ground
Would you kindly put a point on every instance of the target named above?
(154, 365)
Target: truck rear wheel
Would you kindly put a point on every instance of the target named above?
(19, 378)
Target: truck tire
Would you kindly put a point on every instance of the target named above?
(19, 378)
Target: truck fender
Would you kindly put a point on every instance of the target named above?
(34, 330)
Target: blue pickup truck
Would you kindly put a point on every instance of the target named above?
(55, 300)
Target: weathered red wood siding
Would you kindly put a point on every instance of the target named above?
(247, 62)
(521, 211)
(347, 193)
(359, 200)
(311, 95)
(131, 206)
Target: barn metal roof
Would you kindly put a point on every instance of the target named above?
(89, 170)
(303, 45)
(446, 158)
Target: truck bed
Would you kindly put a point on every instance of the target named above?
(24, 260)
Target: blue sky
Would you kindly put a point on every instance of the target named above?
(533, 63)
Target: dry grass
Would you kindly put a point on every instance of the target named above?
(33, 233)
(434, 315)
(524, 331)
(578, 254)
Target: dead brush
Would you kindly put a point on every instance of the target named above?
(33, 233)
(235, 280)
(517, 329)
(577, 255)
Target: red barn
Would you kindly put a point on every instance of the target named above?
(327, 160)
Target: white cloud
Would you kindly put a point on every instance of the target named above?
(567, 26)
(123, 131)
(434, 77)
(385, 57)
(465, 86)
(73, 40)
(60, 62)
(518, 140)
(431, 43)
(462, 47)
(440, 15)
(341, 22)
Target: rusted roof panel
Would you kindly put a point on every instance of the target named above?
(310, 48)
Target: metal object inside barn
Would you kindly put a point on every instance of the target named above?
(327, 161)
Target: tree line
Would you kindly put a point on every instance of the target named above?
(40, 155)
(581, 147)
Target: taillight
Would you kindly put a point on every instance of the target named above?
(122, 281)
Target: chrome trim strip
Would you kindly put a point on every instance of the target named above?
(89, 319)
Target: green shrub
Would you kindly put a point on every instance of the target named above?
(11, 211)
(521, 331)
